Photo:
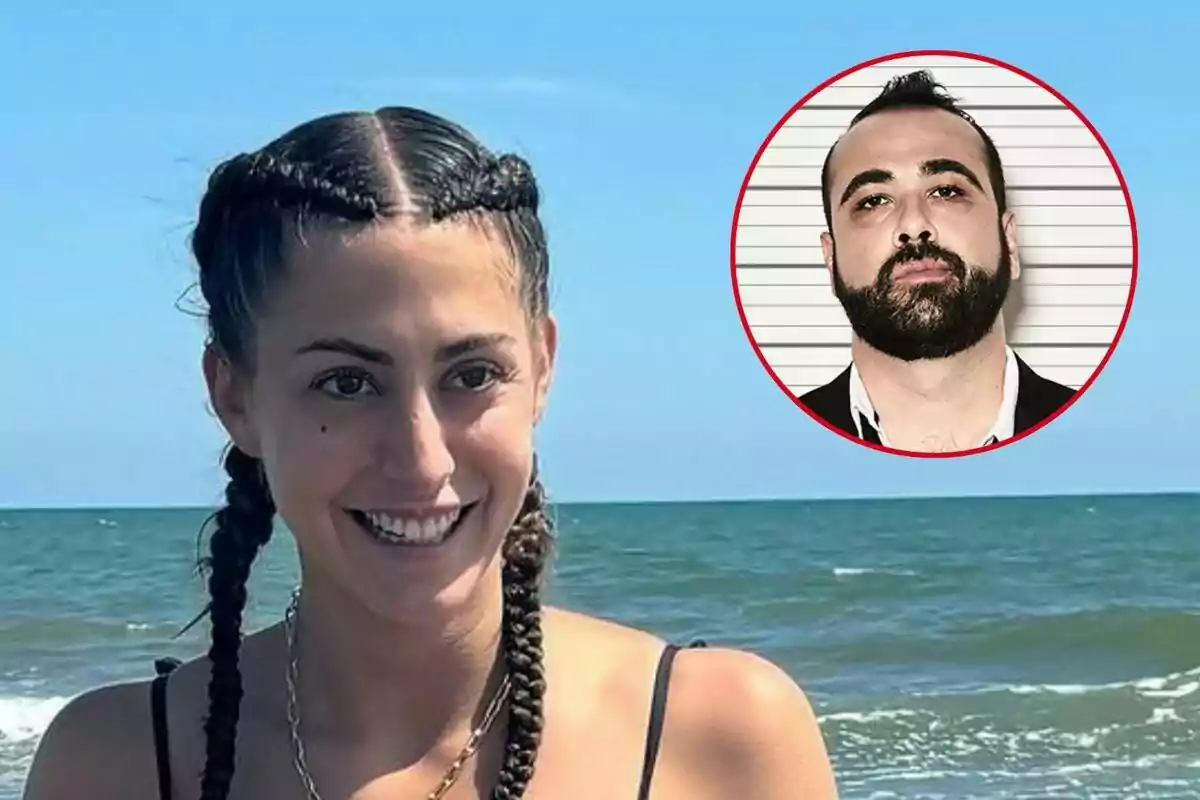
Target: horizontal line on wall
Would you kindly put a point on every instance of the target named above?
(844, 345)
(1011, 188)
(1076, 126)
(1008, 147)
(800, 325)
(964, 107)
(832, 303)
(1024, 266)
(1023, 225)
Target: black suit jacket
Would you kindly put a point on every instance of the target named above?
(1037, 399)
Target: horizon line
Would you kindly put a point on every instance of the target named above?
(1178, 492)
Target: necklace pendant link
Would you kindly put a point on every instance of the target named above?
(299, 758)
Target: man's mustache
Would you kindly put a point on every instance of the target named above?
(920, 252)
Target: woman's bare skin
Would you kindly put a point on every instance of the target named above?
(735, 727)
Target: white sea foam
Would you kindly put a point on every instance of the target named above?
(1161, 716)
(1166, 686)
(1182, 690)
(850, 572)
(23, 718)
(868, 716)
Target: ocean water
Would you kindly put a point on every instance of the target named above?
(968, 648)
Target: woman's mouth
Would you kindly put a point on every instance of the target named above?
(411, 529)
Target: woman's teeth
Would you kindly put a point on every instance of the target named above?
(410, 530)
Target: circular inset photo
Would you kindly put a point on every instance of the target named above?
(934, 254)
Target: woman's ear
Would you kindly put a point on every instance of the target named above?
(229, 394)
(545, 350)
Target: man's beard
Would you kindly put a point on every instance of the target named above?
(927, 320)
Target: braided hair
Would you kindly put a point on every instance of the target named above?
(357, 167)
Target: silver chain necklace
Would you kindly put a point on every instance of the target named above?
(298, 756)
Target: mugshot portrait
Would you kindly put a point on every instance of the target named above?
(934, 254)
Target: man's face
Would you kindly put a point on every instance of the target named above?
(919, 256)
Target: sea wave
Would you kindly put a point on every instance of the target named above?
(854, 572)
(1173, 686)
(1130, 731)
(69, 631)
(1166, 631)
(1117, 641)
(26, 718)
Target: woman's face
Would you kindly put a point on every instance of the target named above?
(397, 384)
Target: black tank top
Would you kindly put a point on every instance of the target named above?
(658, 709)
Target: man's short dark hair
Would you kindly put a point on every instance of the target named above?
(919, 90)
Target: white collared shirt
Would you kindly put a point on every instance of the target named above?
(1002, 428)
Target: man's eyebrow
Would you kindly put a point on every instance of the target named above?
(934, 166)
(867, 176)
(939, 166)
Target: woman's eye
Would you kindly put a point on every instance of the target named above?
(345, 385)
(475, 377)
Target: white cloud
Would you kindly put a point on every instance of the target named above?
(507, 85)
(522, 86)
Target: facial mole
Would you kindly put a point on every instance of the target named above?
(324, 428)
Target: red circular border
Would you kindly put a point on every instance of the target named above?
(737, 210)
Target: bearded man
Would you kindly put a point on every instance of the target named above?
(921, 251)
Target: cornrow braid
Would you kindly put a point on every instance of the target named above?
(241, 219)
(265, 176)
(504, 184)
(526, 551)
(243, 527)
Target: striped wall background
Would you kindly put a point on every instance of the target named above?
(1074, 228)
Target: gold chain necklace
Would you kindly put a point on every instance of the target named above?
(298, 756)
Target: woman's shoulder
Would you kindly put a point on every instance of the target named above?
(743, 726)
(735, 723)
(103, 742)
(99, 745)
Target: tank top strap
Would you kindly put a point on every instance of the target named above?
(158, 715)
(658, 711)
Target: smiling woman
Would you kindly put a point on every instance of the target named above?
(380, 353)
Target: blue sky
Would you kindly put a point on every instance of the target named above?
(641, 123)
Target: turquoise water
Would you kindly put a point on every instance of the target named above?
(1006, 648)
